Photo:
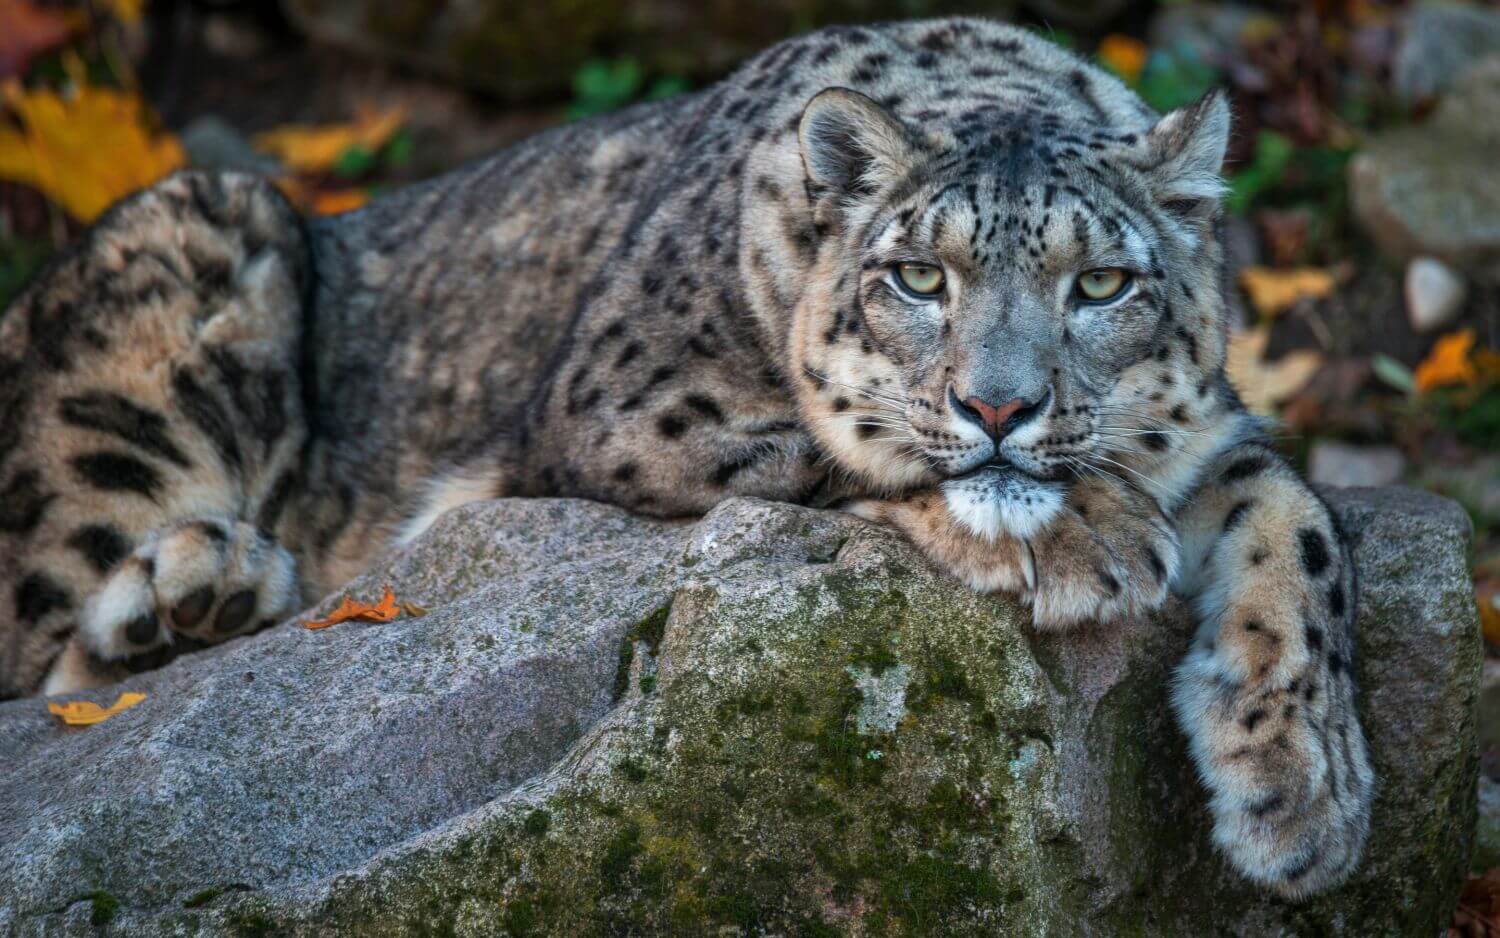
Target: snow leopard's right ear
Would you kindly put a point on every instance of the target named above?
(851, 146)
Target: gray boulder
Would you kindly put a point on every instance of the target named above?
(1431, 189)
(772, 721)
(1439, 42)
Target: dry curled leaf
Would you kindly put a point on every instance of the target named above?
(84, 150)
(306, 148)
(87, 713)
(1448, 363)
(352, 609)
(1263, 385)
(1273, 292)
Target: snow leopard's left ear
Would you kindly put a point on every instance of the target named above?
(1183, 154)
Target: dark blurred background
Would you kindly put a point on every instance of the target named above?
(1363, 218)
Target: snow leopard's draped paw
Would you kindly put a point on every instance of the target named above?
(1266, 695)
(1092, 552)
(209, 579)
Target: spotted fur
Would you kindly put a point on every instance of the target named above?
(210, 412)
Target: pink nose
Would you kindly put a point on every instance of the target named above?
(995, 417)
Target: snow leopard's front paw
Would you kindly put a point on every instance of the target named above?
(209, 579)
(1109, 554)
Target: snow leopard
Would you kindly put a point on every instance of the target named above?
(943, 274)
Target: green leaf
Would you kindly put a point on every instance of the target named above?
(667, 86)
(1272, 154)
(601, 86)
(398, 150)
(355, 161)
(1394, 373)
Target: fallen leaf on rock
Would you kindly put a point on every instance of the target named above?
(413, 610)
(87, 713)
(1448, 362)
(351, 609)
(307, 148)
(85, 150)
(27, 30)
(1262, 384)
(1273, 291)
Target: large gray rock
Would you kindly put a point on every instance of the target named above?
(775, 720)
(1439, 42)
(1432, 189)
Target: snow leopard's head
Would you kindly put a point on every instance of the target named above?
(1017, 286)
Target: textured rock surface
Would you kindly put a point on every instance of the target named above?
(772, 720)
(1431, 188)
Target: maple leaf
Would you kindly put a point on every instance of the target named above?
(306, 148)
(1273, 292)
(87, 713)
(85, 150)
(352, 609)
(1262, 385)
(1448, 362)
(27, 30)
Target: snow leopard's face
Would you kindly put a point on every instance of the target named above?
(1046, 297)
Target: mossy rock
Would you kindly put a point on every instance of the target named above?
(794, 726)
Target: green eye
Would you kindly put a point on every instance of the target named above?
(1102, 284)
(921, 279)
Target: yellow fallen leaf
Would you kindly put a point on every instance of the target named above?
(85, 150)
(87, 713)
(1262, 385)
(1448, 362)
(1123, 55)
(413, 610)
(352, 609)
(308, 148)
(1273, 291)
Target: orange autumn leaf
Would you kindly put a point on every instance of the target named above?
(1124, 56)
(87, 713)
(1448, 362)
(308, 148)
(84, 150)
(351, 609)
